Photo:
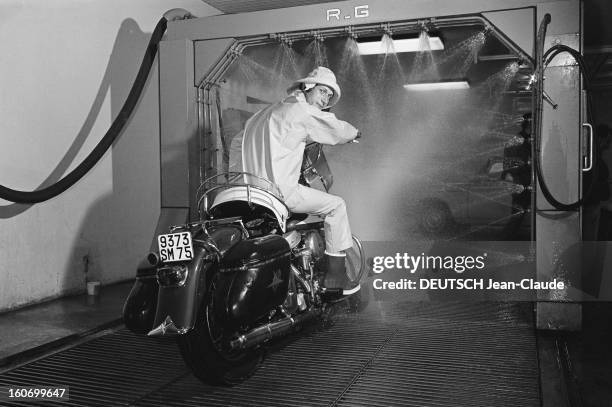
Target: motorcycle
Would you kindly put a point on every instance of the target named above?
(244, 274)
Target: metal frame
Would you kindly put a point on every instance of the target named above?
(224, 37)
(211, 80)
(269, 188)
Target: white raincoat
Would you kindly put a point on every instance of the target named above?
(273, 147)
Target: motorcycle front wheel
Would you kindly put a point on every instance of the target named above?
(355, 269)
(205, 349)
(355, 265)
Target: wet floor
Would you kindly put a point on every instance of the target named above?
(389, 354)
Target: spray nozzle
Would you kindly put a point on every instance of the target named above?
(386, 28)
(351, 32)
(235, 51)
(317, 36)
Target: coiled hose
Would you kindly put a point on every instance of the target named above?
(30, 197)
(543, 59)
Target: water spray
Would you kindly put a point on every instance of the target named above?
(316, 48)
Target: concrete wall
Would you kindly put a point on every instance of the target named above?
(66, 67)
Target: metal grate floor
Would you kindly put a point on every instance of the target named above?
(390, 354)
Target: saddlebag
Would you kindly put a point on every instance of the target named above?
(139, 308)
(253, 279)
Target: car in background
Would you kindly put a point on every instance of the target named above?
(490, 199)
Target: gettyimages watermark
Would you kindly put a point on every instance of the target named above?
(489, 270)
(413, 263)
(458, 264)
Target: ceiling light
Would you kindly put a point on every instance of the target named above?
(450, 85)
(399, 45)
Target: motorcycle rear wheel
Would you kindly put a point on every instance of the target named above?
(205, 349)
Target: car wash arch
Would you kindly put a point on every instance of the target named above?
(446, 95)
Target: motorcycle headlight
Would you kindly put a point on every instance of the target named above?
(174, 275)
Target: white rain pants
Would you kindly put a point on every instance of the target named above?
(337, 230)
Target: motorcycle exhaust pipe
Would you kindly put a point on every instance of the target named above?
(272, 330)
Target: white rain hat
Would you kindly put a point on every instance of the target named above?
(322, 76)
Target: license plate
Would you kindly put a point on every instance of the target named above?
(175, 247)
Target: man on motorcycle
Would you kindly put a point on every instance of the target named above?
(273, 147)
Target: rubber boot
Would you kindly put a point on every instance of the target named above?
(335, 277)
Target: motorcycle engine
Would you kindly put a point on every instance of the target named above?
(315, 243)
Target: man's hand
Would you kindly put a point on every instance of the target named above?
(357, 137)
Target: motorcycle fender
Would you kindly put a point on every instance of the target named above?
(177, 306)
(253, 279)
(140, 305)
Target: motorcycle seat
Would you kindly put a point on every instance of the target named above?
(298, 217)
(297, 222)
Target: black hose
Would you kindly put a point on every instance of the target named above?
(108, 139)
(543, 59)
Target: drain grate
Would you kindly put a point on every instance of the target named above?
(391, 354)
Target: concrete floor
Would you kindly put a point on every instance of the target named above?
(34, 329)
(575, 368)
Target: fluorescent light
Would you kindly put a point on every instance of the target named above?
(437, 85)
(400, 45)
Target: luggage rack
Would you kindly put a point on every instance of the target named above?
(241, 186)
